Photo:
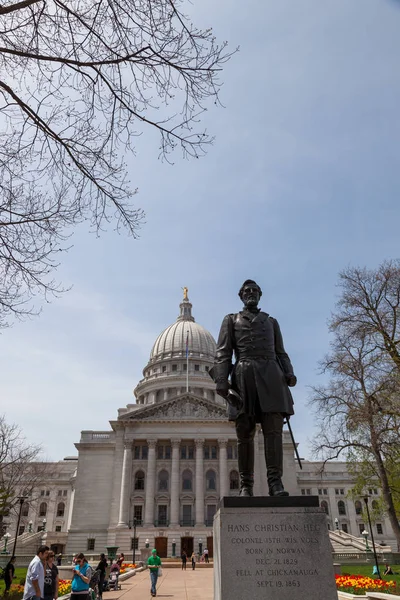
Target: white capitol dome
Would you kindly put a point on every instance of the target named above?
(172, 341)
(169, 371)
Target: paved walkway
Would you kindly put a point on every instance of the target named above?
(174, 583)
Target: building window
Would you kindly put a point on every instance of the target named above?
(308, 492)
(91, 543)
(139, 480)
(232, 451)
(43, 509)
(211, 510)
(59, 493)
(344, 528)
(375, 505)
(325, 492)
(58, 528)
(187, 515)
(379, 529)
(162, 515)
(207, 452)
(145, 452)
(47, 492)
(60, 509)
(197, 367)
(358, 507)
(187, 452)
(140, 452)
(137, 514)
(234, 480)
(185, 367)
(183, 452)
(341, 507)
(337, 491)
(211, 480)
(167, 454)
(187, 480)
(25, 509)
(324, 506)
(163, 481)
(21, 529)
(303, 492)
(136, 453)
(341, 491)
(361, 527)
(319, 491)
(135, 543)
(174, 367)
(375, 491)
(160, 452)
(210, 452)
(163, 370)
(207, 369)
(42, 492)
(191, 452)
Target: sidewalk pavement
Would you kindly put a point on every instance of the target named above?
(174, 583)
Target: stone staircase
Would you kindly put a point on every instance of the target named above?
(345, 543)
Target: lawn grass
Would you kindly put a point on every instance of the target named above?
(366, 570)
(20, 573)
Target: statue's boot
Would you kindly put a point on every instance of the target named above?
(246, 467)
(274, 462)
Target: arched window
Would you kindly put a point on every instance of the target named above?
(324, 506)
(211, 480)
(43, 509)
(358, 507)
(139, 480)
(341, 507)
(163, 481)
(25, 509)
(60, 509)
(187, 480)
(234, 480)
(375, 505)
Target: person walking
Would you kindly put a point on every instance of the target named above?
(34, 582)
(154, 563)
(193, 557)
(101, 567)
(184, 560)
(9, 574)
(51, 578)
(82, 574)
(206, 555)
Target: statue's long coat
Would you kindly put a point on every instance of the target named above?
(261, 363)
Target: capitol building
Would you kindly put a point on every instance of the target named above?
(156, 475)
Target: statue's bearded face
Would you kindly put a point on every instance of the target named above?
(251, 295)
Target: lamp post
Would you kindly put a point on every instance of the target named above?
(174, 547)
(21, 501)
(44, 523)
(134, 541)
(6, 538)
(200, 546)
(372, 536)
(337, 524)
(365, 535)
(147, 543)
(30, 525)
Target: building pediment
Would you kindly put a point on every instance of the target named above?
(186, 407)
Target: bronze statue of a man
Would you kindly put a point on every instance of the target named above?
(258, 391)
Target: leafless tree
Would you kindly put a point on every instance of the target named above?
(20, 470)
(79, 83)
(358, 411)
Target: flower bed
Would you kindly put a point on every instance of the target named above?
(17, 591)
(126, 566)
(358, 585)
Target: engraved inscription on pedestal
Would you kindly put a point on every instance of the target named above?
(273, 553)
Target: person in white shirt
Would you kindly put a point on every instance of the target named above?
(34, 583)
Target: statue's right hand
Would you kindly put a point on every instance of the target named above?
(222, 389)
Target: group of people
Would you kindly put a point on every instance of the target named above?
(193, 558)
(42, 577)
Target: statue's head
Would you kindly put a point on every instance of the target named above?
(250, 293)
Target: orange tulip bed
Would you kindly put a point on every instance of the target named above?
(126, 566)
(358, 585)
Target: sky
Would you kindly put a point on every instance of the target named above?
(302, 180)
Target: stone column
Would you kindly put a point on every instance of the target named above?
(150, 483)
(175, 483)
(199, 483)
(116, 481)
(223, 469)
(125, 486)
(166, 394)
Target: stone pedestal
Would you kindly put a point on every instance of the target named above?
(272, 548)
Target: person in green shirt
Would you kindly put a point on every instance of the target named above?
(153, 562)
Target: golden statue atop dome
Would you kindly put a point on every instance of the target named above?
(185, 293)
